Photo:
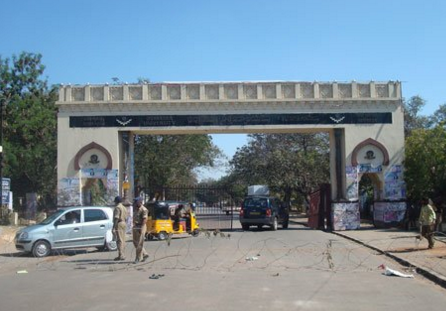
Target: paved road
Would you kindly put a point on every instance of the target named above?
(294, 269)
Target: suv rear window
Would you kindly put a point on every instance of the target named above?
(256, 202)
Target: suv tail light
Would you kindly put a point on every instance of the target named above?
(268, 212)
(242, 212)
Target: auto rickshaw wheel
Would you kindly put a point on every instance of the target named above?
(162, 235)
(195, 232)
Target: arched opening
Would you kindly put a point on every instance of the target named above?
(94, 192)
(369, 190)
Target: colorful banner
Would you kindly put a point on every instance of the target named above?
(368, 168)
(94, 173)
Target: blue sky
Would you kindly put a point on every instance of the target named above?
(92, 41)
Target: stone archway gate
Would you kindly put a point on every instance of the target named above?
(96, 124)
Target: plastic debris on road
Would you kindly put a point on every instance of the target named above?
(252, 258)
(22, 272)
(391, 272)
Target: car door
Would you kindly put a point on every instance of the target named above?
(96, 224)
(68, 232)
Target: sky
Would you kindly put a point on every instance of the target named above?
(93, 41)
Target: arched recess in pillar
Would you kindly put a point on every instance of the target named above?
(89, 147)
(95, 158)
(368, 142)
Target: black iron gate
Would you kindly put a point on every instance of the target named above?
(215, 207)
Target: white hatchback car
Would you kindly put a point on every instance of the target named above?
(73, 227)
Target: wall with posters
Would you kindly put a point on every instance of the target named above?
(389, 213)
(345, 216)
(72, 191)
(394, 185)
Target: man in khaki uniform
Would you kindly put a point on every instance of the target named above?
(119, 227)
(139, 230)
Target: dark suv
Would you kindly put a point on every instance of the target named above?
(263, 210)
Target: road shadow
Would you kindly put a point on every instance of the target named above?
(15, 254)
(53, 253)
(95, 262)
(406, 250)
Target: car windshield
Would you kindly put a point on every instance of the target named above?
(53, 217)
(256, 202)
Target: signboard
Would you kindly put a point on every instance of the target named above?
(230, 119)
(6, 187)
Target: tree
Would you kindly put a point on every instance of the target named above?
(170, 160)
(425, 163)
(412, 119)
(288, 163)
(439, 116)
(29, 127)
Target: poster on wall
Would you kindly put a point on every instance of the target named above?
(395, 188)
(112, 186)
(351, 173)
(369, 168)
(99, 186)
(389, 212)
(94, 187)
(68, 193)
(94, 173)
(346, 216)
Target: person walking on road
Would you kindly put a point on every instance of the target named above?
(119, 227)
(139, 230)
(427, 221)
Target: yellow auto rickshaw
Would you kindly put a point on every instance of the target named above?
(161, 224)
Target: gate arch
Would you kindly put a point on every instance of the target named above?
(353, 113)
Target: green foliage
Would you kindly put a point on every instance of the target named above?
(170, 160)
(439, 116)
(29, 126)
(288, 163)
(412, 119)
(425, 163)
(235, 187)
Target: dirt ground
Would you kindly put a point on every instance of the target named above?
(7, 234)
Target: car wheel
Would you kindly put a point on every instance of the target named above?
(162, 235)
(41, 249)
(111, 246)
(275, 224)
(245, 227)
(285, 224)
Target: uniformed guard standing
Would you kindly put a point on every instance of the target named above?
(139, 230)
(119, 227)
